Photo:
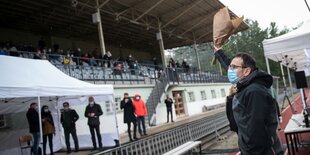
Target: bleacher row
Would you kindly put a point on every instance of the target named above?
(144, 73)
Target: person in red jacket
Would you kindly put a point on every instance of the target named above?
(140, 110)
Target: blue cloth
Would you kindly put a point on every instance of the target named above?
(36, 141)
(141, 120)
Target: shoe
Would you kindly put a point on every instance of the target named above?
(68, 151)
(130, 140)
(145, 134)
(76, 150)
(135, 138)
(172, 121)
(94, 149)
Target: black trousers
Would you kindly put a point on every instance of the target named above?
(50, 142)
(169, 110)
(71, 131)
(134, 122)
(92, 129)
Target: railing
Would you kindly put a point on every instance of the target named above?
(170, 139)
(119, 72)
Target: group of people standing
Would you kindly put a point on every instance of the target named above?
(134, 112)
(68, 119)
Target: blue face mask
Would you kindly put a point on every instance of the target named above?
(232, 76)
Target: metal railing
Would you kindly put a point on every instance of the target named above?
(165, 141)
(120, 72)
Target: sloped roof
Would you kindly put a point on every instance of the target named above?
(132, 23)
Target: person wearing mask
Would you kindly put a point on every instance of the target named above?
(68, 118)
(48, 128)
(253, 106)
(169, 102)
(92, 112)
(34, 126)
(129, 116)
(141, 112)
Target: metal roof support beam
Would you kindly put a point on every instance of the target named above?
(192, 27)
(203, 35)
(181, 14)
(148, 10)
(100, 31)
(104, 3)
(197, 54)
(159, 37)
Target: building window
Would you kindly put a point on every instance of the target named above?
(213, 93)
(118, 104)
(203, 95)
(223, 92)
(3, 123)
(191, 96)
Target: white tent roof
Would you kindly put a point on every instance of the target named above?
(30, 78)
(291, 48)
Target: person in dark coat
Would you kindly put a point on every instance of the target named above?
(169, 102)
(34, 126)
(92, 112)
(253, 106)
(68, 118)
(129, 116)
(229, 112)
(48, 128)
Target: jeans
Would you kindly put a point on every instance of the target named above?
(71, 131)
(141, 120)
(50, 142)
(36, 141)
(92, 129)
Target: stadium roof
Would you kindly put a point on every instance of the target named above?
(131, 23)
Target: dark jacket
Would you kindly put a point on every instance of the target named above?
(129, 111)
(96, 108)
(33, 120)
(73, 117)
(255, 113)
(168, 103)
(230, 115)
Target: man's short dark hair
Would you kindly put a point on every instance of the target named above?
(126, 94)
(33, 103)
(248, 61)
(65, 104)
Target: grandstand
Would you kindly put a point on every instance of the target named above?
(64, 31)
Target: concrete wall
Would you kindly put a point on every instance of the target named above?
(194, 107)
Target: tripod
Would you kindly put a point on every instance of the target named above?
(289, 102)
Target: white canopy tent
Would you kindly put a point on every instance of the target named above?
(25, 78)
(291, 49)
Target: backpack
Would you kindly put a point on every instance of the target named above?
(230, 115)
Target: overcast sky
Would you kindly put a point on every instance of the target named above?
(287, 13)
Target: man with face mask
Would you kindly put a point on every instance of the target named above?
(92, 112)
(253, 108)
(140, 110)
(129, 116)
(34, 126)
(68, 118)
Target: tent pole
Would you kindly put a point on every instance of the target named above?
(290, 80)
(114, 109)
(40, 122)
(269, 72)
